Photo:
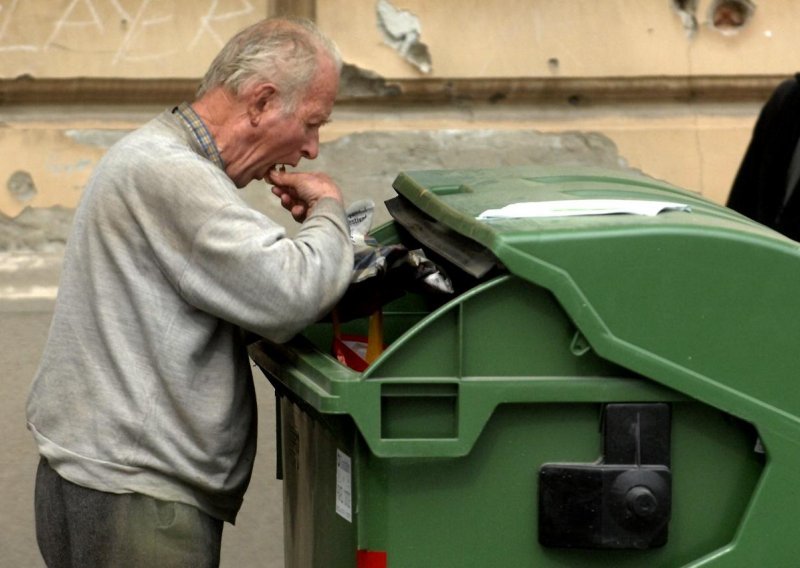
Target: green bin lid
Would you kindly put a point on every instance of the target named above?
(698, 298)
(457, 197)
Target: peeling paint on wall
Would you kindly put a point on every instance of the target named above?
(36, 229)
(82, 165)
(357, 82)
(401, 30)
(687, 12)
(366, 163)
(727, 17)
(96, 137)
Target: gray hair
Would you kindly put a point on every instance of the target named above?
(281, 51)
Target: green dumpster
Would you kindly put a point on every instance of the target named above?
(610, 384)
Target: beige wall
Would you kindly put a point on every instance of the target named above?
(588, 38)
(466, 38)
(693, 143)
(698, 148)
(695, 146)
(117, 38)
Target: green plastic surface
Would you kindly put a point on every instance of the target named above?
(700, 301)
(450, 425)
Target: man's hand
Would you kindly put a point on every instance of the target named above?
(300, 191)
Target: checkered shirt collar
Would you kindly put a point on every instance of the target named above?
(200, 133)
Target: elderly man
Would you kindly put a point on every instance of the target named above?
(143, 407)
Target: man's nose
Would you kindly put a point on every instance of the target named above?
(310, 149)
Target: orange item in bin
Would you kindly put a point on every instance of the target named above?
(357, 351)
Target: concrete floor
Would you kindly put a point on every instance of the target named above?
(27, 283)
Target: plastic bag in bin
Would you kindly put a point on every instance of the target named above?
(382, 273)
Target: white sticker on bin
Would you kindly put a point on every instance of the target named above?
(344, 494)
(579, 207)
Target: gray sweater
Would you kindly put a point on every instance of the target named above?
(145, 385)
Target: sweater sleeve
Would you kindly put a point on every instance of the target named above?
(179, 221)
(245, 270)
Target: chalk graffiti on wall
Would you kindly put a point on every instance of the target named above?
(121, 25)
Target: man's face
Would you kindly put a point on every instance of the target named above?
(285, 137)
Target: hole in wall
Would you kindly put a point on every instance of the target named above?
(730, 16)
(21, 187)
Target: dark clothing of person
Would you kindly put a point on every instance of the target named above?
(77, 527)
(764, 189)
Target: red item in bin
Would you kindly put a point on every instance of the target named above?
(371, 559)
(351, 350)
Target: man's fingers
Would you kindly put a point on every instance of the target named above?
(300, 191)
(289, 201)
(287, 195)
(285, 179)
(299, 212)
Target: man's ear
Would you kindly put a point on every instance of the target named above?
(260, 97)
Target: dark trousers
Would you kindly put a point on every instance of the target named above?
(78, 527)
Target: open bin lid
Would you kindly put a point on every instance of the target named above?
(697, 297)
